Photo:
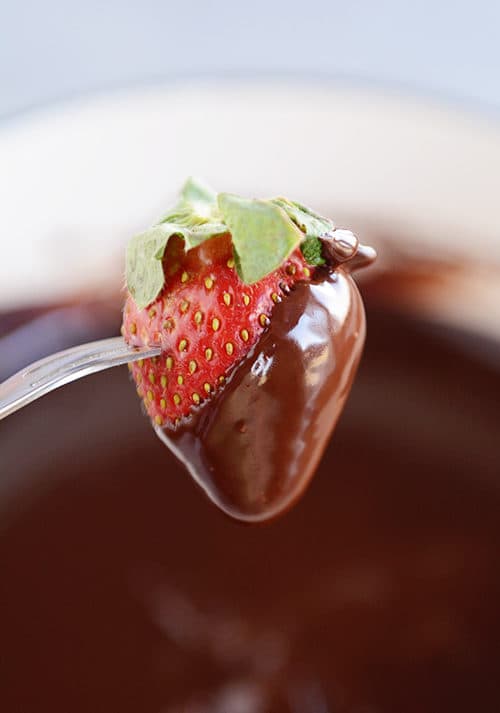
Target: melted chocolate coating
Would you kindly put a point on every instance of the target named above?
(255, 447)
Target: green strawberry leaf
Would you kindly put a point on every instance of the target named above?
(262, 234)
(312, 251)
(144, 266)
(144, 269)
(199, 195)
(197, 205)
(200, 233)
(311, 223)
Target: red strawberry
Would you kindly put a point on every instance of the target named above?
(204, 284)
(206, 319)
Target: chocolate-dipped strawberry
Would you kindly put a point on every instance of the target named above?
(261, 328)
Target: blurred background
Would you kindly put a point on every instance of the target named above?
(121, 587)
(55, 50)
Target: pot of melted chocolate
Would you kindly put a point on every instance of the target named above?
(124, 590)
(255, 446)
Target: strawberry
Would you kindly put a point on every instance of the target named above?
(224, 285)
(202, 284)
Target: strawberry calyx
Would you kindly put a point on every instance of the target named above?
(264, 234)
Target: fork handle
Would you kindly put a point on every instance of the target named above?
(61, 368)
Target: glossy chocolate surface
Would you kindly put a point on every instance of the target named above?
(255, 446)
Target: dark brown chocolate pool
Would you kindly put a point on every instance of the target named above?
(255, 447)
(124, 590)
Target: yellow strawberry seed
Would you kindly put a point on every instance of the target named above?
(158, 420)
(192, 366)
(227, 298)
(163, 404)
(246, 299)
(230, 263)
(177, 399)
(209, 283)
(184, 277)
(208, 354)
(198, 316)
(229, 348)
(180, 379)
(163, 381)
(206, 386)
(183, 345)
(244, 335)
(169, 362)
(196, 398)
(215, 324)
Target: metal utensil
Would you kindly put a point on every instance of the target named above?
(61, 368)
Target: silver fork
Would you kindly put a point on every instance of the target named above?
(61, 368)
